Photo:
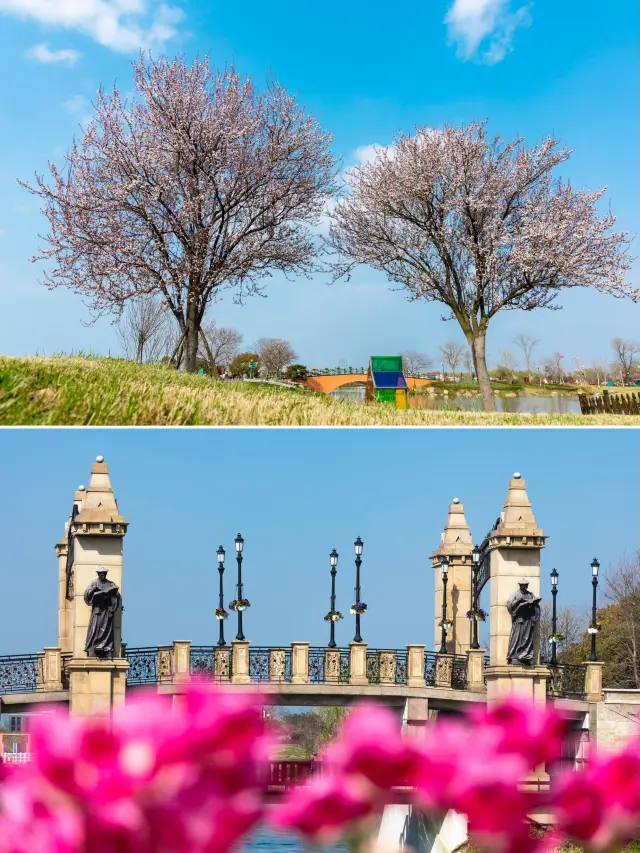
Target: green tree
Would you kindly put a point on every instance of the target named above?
(240, 364)
(296, 371)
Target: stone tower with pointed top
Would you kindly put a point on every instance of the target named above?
(93, 540)
(456, 544)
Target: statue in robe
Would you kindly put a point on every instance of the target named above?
(524, 609)
(103, 597)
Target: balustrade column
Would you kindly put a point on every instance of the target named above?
(240, 668)
(299, 663)
(444, 670)
(332, 669)
(181, 660)
(165, 667)
(358, 663)
(52, 674)
(475, 670)
(277, 664)
(593, 681)
(415, 666)
(222, 663)
(387, 666)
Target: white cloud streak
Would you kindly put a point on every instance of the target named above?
(483, 29)
(121, 25)
(42, 53)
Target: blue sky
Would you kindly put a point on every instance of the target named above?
(366, 70)
(294, 495)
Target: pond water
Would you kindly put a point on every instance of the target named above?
(267, 840)
(541, 405)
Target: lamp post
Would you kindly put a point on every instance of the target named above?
(444, 565)
(595, 565)
(239, 546)
(357, 546)
(554, 621)
(475, 557)
(333, 560)
(221, 556)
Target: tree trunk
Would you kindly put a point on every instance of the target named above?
(477, 345)
(191, 342)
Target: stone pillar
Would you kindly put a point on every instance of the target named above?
(415, 666)
(593, 681)
(415, 717)
(387, 666)
(332, 671)
(96, 685)
(358, 663)
(475, 670)
(526, 682)
(222, 663)
(165, 663)
(299, 663)
(240, 667)
(96, 536)
(444, 670)
(277, 665)
(457, 545)
(52, 668)
(181, 660)
(513, 547)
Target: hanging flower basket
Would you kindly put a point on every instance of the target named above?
(239, 604)
(595, 630)
(446, 625)
(557, 638)
(333, 616)
(358, 608)
(478, 614)
(221, 613)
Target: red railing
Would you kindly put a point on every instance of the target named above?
(290, 774)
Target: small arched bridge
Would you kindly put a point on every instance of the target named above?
(329, 382)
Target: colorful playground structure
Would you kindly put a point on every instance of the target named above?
(327, 381)
(386, 382)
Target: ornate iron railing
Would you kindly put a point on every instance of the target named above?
(143, 665)
(402, 666)
(568, 680)
(328, 665)
(212, 662)
(430, 659)
(459, 677)
(20, 673)
(386, 666)
(270, 664)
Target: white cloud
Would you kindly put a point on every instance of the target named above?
(483, 29)
(42, 53)
(122, 25)
(366, 153)
(76, 104)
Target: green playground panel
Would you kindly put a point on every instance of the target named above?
(386, 395)
(386, 362)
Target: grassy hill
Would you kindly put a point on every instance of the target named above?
(72, 390)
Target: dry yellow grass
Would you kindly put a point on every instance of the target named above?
(71, 390)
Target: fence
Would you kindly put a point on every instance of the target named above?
(612, 404)
(289, 774)
(143, 665)
(21, 673)
(270, 664)
(568, 680)
(328, 665)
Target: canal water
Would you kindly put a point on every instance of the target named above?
(268, 840)
(563, 405)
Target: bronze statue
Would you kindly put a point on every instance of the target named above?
(103, 597)
(524, 608)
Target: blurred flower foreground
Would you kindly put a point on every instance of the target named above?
(191, 777)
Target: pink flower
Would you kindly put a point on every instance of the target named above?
(371, 745)
(322, 811)
(600, 806)
(535, 731)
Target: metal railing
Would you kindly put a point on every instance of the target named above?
(21, 673)
(337, 660)
(386, 666)
(270, 664)
(459, 675)
(204, 662)
(568, 681)
(143, 665)
(289, 774)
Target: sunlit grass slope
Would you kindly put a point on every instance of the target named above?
(102, 391)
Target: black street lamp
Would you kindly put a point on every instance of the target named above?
(475, 556)
(357, 546)
(221, 556)
(444, 565)
(333, 559)
(593, 630)
(239, 546)
(554, 620)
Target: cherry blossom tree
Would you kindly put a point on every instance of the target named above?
(197, 184)
(479, 225)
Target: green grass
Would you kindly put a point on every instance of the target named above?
(81, 390)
